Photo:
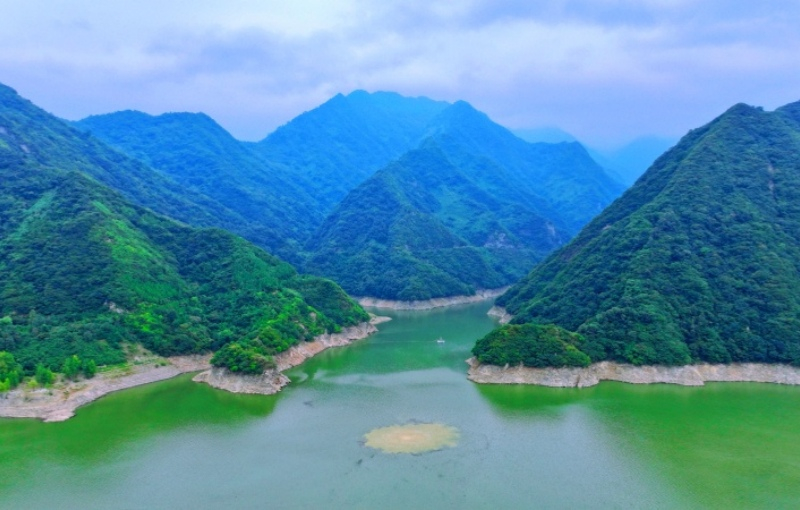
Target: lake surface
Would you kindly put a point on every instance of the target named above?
(178, 444)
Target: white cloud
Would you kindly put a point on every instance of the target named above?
(603, 69)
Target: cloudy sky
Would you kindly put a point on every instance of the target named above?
(605, 70)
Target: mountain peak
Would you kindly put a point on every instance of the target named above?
(688, 255)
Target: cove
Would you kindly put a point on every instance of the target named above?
(178, 444)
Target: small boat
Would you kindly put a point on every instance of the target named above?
(440, 340)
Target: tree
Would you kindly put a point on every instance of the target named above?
(10, 370)
(72, 366)
(89, 368)
(44, 376)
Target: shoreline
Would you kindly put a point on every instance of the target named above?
(59, 402)
(429, 304)
(687, 375)
(500, 313)
(273, 380)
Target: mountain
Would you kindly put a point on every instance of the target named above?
(698, 262)
(54, 143)
(547, 134)
(83, 271)
(629, 162)
(423, 228)
(471, 207)
(337, 145)
(562, 174)
(198, 154)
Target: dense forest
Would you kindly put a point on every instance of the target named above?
(304, 192)
(421, 228)
(83, 271)
(274, 209)
(698, 261)
(472, 207)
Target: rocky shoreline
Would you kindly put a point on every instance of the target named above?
(500, 313)
(689, 375)
(58, 403)
(272, 381)
(427, 304)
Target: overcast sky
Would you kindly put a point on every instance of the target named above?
(605, 70)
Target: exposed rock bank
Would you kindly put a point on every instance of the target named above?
(427, 304)
(272, 381)
(689, 375)
(500, 313)
(60, 402)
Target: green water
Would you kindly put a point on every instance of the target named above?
(177, 444)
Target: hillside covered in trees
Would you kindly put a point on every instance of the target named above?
(697, 262)
(83, 270)
(273, 207)
(309, 192)
(472, 207)
(423, 228)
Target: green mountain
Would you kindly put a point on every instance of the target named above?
(423, 228)
(562, 174)
(339, 144)
(55, 144)
(274, 209)
(82, 270)
(472, 207)
(698, 261)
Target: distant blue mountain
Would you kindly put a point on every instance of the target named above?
(631, 160)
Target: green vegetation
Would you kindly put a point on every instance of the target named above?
(10, 372)
(82, 270)
(533, 345)
(697, 262)
(274, 209)
(44, 376)
(507, 204)
(471, 207)
(336, 146)
(421, 229)
(193, 193)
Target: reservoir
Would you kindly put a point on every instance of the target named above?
(178, 444)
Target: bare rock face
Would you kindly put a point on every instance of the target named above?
(500, 313)
(267, 383)
(688, 375)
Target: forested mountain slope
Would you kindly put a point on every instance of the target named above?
(698, 261)
(201, 156)
(339, 144)
(473, 207)
(83, 270)
(421, 228)
(53, 143)
(562, 174)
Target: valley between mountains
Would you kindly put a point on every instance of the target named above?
(126, 231)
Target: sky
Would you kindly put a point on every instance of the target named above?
(606, 71)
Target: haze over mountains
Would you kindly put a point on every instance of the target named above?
(698, 262)
(626, 163)
(308, 169)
